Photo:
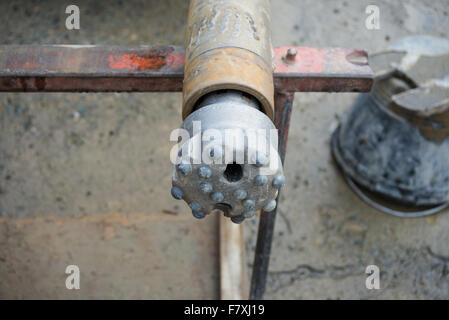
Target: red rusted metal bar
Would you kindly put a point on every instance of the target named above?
(304, 69)
(91, 68)
(161, 68)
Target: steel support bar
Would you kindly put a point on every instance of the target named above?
(283, 103)
(29, 68)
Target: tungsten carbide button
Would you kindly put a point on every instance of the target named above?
(269, 206)
(205, 187)
(249, 204)
(249, 214)
(260, 180)
(184, 168)
(177, 193)
(204, 172)
(278, 181)
(195, 206)
(198, 214)
(240, 194)
(259, 159)
(217, 196)
(238, 219)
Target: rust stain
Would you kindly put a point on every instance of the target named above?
(139, 62)
(39, 83)
(71, 63)
(176, 61)
(20, 64)
(7, 83)
(23, 83)
(307, 60)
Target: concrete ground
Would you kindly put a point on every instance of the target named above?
(85, 178)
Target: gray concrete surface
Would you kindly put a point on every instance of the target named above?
(84, 156)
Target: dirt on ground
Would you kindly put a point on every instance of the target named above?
(70, 163)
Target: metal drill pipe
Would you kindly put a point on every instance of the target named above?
(228, 46)
(228, 89)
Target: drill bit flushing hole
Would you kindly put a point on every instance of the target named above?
(223, 208)
(233, 172)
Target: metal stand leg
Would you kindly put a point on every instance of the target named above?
(283, 108)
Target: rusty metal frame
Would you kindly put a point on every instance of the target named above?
(161, 68)
(35, 68)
